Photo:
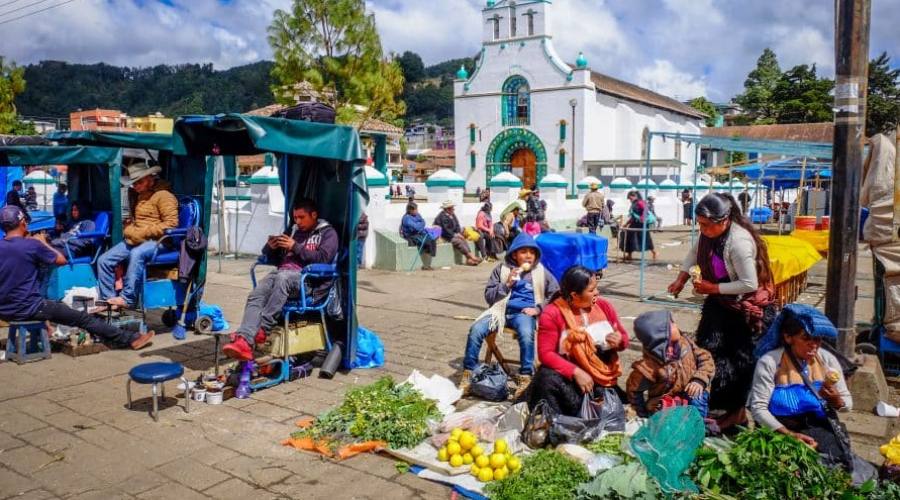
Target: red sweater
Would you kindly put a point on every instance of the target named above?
(550, 328)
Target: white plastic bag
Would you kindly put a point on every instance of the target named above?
(438, 388)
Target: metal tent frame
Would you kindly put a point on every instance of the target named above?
(732, 144)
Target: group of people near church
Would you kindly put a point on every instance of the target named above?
(745, 355)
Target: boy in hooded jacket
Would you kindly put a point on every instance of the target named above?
(673, 370)
(516, 292)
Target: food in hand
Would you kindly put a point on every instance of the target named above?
(525, 267)
(696, 274)
(832, 378)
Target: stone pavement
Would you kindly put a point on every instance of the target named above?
(65, 431)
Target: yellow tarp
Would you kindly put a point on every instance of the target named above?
(790, 256)
(818, 239)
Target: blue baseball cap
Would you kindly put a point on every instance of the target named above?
(10, 217)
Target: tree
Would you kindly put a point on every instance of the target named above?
(758, 88)
(412, 66)
(703, 105)
(800, 96)
(883, 99)
(12, 83)
(333, 44)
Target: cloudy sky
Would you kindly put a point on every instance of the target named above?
(681, 48)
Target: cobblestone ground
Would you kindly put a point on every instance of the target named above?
(65, 431)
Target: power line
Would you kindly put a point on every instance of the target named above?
(4, 4)
(17, 9)
(35, 12)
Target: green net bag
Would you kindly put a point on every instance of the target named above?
(666, 446)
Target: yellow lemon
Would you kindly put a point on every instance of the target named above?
(455, 433)
(500, 473)
(443, 456)
(483, 461)
(513, 463)
(456, 460)
(468, 458)
(453, 448)
(485, 474)
(477, 451)
(467, 440)
(474, 470)
(498, 460)
(500, 446)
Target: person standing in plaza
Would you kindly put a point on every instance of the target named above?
(735, 277)
(594, 202)
(60, 200)
(744, 198)
(687, 204)
(637, 235)
(362, 232)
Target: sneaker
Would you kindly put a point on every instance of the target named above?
(465, 382)
(522, 383)
(427, 268)
(141, 341)
(238, 349)
(260, 337)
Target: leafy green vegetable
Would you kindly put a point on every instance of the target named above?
(545, 475)
(383, 411)
(628, 481)
(766, 464)
(611, 444)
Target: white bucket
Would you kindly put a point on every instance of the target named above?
(198, 394)
(214, 396)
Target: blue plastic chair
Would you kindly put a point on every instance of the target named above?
(297, 307)
(164, 293)
(80, 270)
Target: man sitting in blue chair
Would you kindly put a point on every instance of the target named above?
(20, 294)
(153, 210)
(313, 242)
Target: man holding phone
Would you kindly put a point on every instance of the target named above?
(314, 241)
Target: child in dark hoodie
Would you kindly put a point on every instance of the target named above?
(516, 292)
(673, 370)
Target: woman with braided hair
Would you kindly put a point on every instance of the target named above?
(730, 266)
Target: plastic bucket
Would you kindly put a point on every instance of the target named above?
(805, 223)
(826, 223)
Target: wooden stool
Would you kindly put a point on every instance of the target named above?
(27, 341)
(493, 351)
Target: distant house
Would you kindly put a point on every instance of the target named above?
(99, 119)
(156, 123)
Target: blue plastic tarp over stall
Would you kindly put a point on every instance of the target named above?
(560, 251)
(786, 174)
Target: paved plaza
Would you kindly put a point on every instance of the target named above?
(65, 431)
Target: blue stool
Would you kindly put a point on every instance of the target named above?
(157, 374)
(27, 341)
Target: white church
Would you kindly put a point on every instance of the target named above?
(526, 111)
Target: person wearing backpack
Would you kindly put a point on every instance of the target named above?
(640, 218)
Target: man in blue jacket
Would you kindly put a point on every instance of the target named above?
(412, 229)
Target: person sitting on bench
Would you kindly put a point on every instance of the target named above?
(81, 222)
(20, 296)
(313, 242)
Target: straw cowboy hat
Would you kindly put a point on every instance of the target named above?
(448, 204)
(137, 172)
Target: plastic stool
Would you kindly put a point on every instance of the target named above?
(27, 341)
(157, 374)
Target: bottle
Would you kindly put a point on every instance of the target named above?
(243, 388)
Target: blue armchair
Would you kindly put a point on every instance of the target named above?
(80, 270)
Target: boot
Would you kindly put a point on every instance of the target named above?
(465, 381)
(522, 383)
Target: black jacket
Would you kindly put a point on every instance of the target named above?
(449, 225)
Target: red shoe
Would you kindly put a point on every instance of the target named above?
(238, 349)
(260, 337)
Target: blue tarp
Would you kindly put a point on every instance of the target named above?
(560, 251)
(785, 173)
(8, 175)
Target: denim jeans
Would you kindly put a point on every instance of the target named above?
(360, 250)
(265, 302)
(594, 220)
(137, 257)
(57, 312)
(524, 326)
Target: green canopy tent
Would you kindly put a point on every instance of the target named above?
(319, 161)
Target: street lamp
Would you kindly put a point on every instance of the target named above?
(573, 103)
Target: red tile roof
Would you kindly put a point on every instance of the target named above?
(801, 132)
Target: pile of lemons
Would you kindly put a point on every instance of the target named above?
(891, 451)
(463, 449)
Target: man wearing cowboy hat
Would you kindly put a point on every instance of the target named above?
(451, 231)
(594, 202)
(153, 210)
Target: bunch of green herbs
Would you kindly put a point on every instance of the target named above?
(766, 464)
(546, 474)
(611, 444)
(382, 411)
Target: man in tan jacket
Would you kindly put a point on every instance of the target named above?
(594, 202)
(153, 210)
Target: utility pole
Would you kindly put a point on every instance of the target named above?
(851, 68)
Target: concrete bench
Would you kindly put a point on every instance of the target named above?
(393, 253)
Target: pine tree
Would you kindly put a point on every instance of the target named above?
(883, 100)
(802, 97)
(333, 44)
(758, 88)
(703, 105)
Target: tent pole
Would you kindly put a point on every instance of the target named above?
(799, 201)
(644, 229)
(220, 195)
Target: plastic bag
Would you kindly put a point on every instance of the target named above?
(471, 234)
(536, 433)
(480, 419)
(438, 388)
(369, 350)
(489, 383)
(667, 444)
(595, 418)
(214, 313)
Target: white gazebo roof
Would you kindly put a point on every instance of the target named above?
(587, 181)
(621, 182)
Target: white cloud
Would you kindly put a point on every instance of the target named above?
(663, 77)
(437, 31)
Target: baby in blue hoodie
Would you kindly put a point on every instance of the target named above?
(516, 292)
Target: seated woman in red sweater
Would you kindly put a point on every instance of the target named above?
(579, 339)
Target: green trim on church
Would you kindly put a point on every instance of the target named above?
(507, 142)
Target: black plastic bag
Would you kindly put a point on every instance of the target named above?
(489, 383)
(536, 433)
(597, 415)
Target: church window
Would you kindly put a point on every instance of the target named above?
(562, 131)
(529, 20)
(645, 141)
(512, 24)
(472, 160)
(562, 159)
(678, 149)
(516, 102)
(496, 21)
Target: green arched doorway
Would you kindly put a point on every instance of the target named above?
(517, 150)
